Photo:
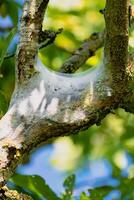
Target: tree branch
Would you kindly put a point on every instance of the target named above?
(86, 50)
(95, 41)
(60, 109)
(46, 38)
(116, 46)
(7, 194)
(53, 104)
(31, 25)
(128, 100)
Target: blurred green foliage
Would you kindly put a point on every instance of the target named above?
(112, 140)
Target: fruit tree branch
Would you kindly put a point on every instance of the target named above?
(47, 104)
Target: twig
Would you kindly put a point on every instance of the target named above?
(86, 50)
(47, 38)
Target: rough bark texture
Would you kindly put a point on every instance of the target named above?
(6, 194)
(31, 26)
(47, 104)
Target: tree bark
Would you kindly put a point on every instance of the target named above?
(47, 104)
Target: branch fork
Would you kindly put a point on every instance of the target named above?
(48, 104)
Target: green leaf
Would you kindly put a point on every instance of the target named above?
(84, 196)
(3, 104)
(36, 185)
(100, 193)
(69, 186)
(6, 41)
(126, 187)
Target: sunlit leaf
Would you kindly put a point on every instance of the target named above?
(84, 196)
(35, 184)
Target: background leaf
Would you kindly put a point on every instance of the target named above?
(7, 42)
(12, 9)
(84, 196)
(99, 193)
(35, 184)
(69, 186)
(3, 104)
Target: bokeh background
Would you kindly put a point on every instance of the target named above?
(102, 157)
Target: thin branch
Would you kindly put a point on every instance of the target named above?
(80, 56)
(46, 38)
(86, 50)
